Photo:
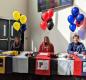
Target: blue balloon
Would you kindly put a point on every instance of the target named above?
(23, 27)
(72, 27)
(80, 17)
(75, 11)
(71, 19)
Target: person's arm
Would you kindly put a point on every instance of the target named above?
(83, 48)
(69, 50)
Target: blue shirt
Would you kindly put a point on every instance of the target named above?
(79, 47)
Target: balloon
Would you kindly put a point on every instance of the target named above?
(50, 25)
(23, 19)
(50, 13)
(72, 27)
(80, 17)
(82, 33)
(45, 16)
(84, 23)
(43, 25)
(71, 19)
(78, 24)
(23, 27)
(16, 26)
(49, 20)
(16, 15)
(75, 11)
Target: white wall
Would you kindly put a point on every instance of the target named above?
(8, 6)
(81, 4)
(59, 36)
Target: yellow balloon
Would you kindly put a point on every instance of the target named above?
(16, 26)
(23, 19)
(16, 15)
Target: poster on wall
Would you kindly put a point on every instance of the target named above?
(47, 4)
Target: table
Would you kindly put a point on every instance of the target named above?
(61, 66)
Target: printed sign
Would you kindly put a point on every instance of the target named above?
(42, 64)
(84, 66)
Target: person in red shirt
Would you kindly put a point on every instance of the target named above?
(46, 46)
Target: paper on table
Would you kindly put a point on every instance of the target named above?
(61, 58)
(44, 54)
(63, 55)
(25, 52)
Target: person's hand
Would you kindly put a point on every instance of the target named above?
(75, 53)
(70, 56)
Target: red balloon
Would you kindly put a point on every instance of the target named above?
(43, 25)
(78, 24)
(45, 16)
(50, 13)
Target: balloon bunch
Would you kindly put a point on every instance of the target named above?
(47, 21)
(76, 19)
(20, 21)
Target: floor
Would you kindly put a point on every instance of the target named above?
(35, 77)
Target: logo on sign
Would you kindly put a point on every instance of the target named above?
(42, 65)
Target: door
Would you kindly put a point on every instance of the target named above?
(4, 35)
(7, 34)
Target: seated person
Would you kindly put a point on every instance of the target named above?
(46, 46)
(76, 46)
(17, 44)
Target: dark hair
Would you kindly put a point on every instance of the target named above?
(75, 35)
(17, 37)
(47, 38)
